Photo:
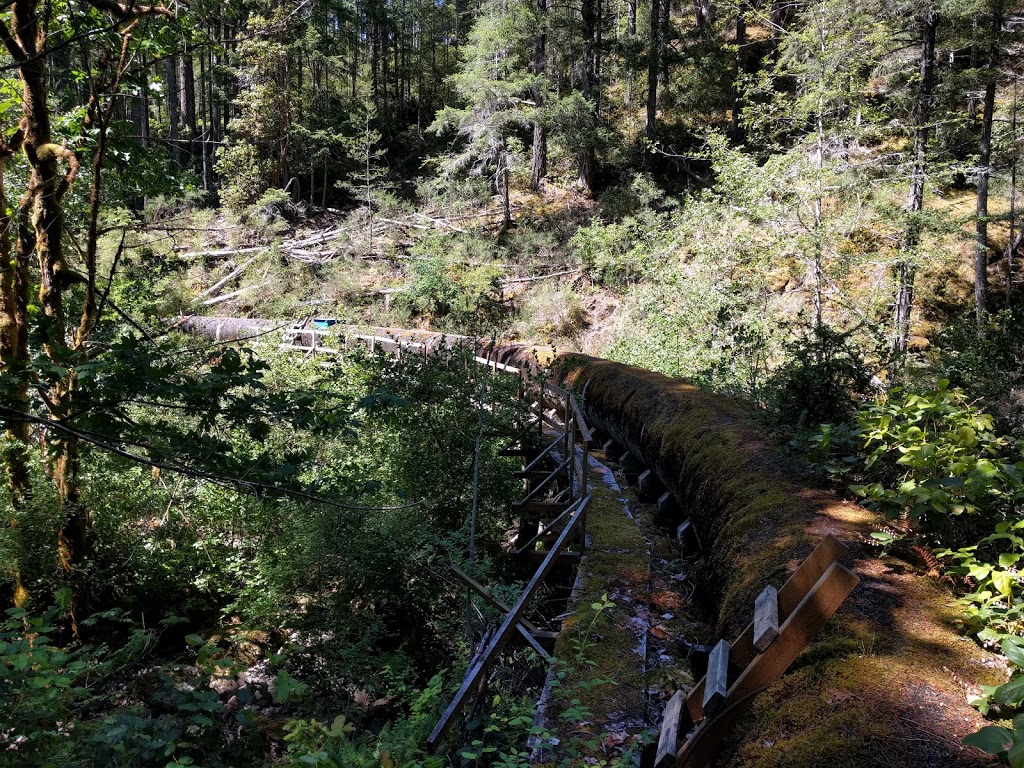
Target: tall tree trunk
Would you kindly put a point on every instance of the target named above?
(703, 13)
(630, 38)
(48, 184)
(653, 66)
(735, 129)
(187, 99)
(14, 359)
(173, 109)
(539, 166)
(906, 269)
(506, 204)
(666, 29)
(1013, 242)
(586, 156)
(984, 172)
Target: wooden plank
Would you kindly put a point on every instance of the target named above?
(486, 594)
(649, 486)
(792, 592)
(766, 618)
(548, 508)
(609, 447)
(547, 480)
(556, 390)
(686, 536)
(667, 506)
(716, 684)
(557, 425)
(496, 365)
(581, 423)
(805, 620)
(666, 754)
(545, 636)
(546, 529)
(480, 666)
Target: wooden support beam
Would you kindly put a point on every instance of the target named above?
(484, 660)
(610, 447)
(486, 594)
(665, 757)
(792, 592)
(716, 684)
(545, 636)
(581, 423)
(551, 509)
(547, 480)
(649, 486)
(766, 618)
(525, 628)
(810, 614)
(546, 530)
(686, 536)
(667, 505)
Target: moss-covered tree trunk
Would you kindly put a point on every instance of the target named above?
(14, 359)
(52, 170)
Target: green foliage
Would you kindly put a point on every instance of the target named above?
(933, 462)
(340, 745)
(933, 457)
(616, 255)
(447, 286)
(59, 712)
(988, 365)
(822, 378)
(246, 172)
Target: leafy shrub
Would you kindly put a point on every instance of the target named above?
(821, 380)
(936, 457)
(934, 461)
(246, 176)
(467, 297)
(990, 365)
(614, 254)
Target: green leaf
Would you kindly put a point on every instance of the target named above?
(1011, 692)
(287, 688)
(1003, 582)
(1013, 652)
(991, 739)
(1016, 753)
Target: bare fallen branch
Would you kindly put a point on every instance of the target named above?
(234, 273)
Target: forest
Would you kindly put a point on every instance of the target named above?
(222, 553)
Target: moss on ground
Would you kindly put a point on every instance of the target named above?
(595, 645)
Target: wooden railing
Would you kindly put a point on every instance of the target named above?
(558, 418)
(784, 621)
(569, 449)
